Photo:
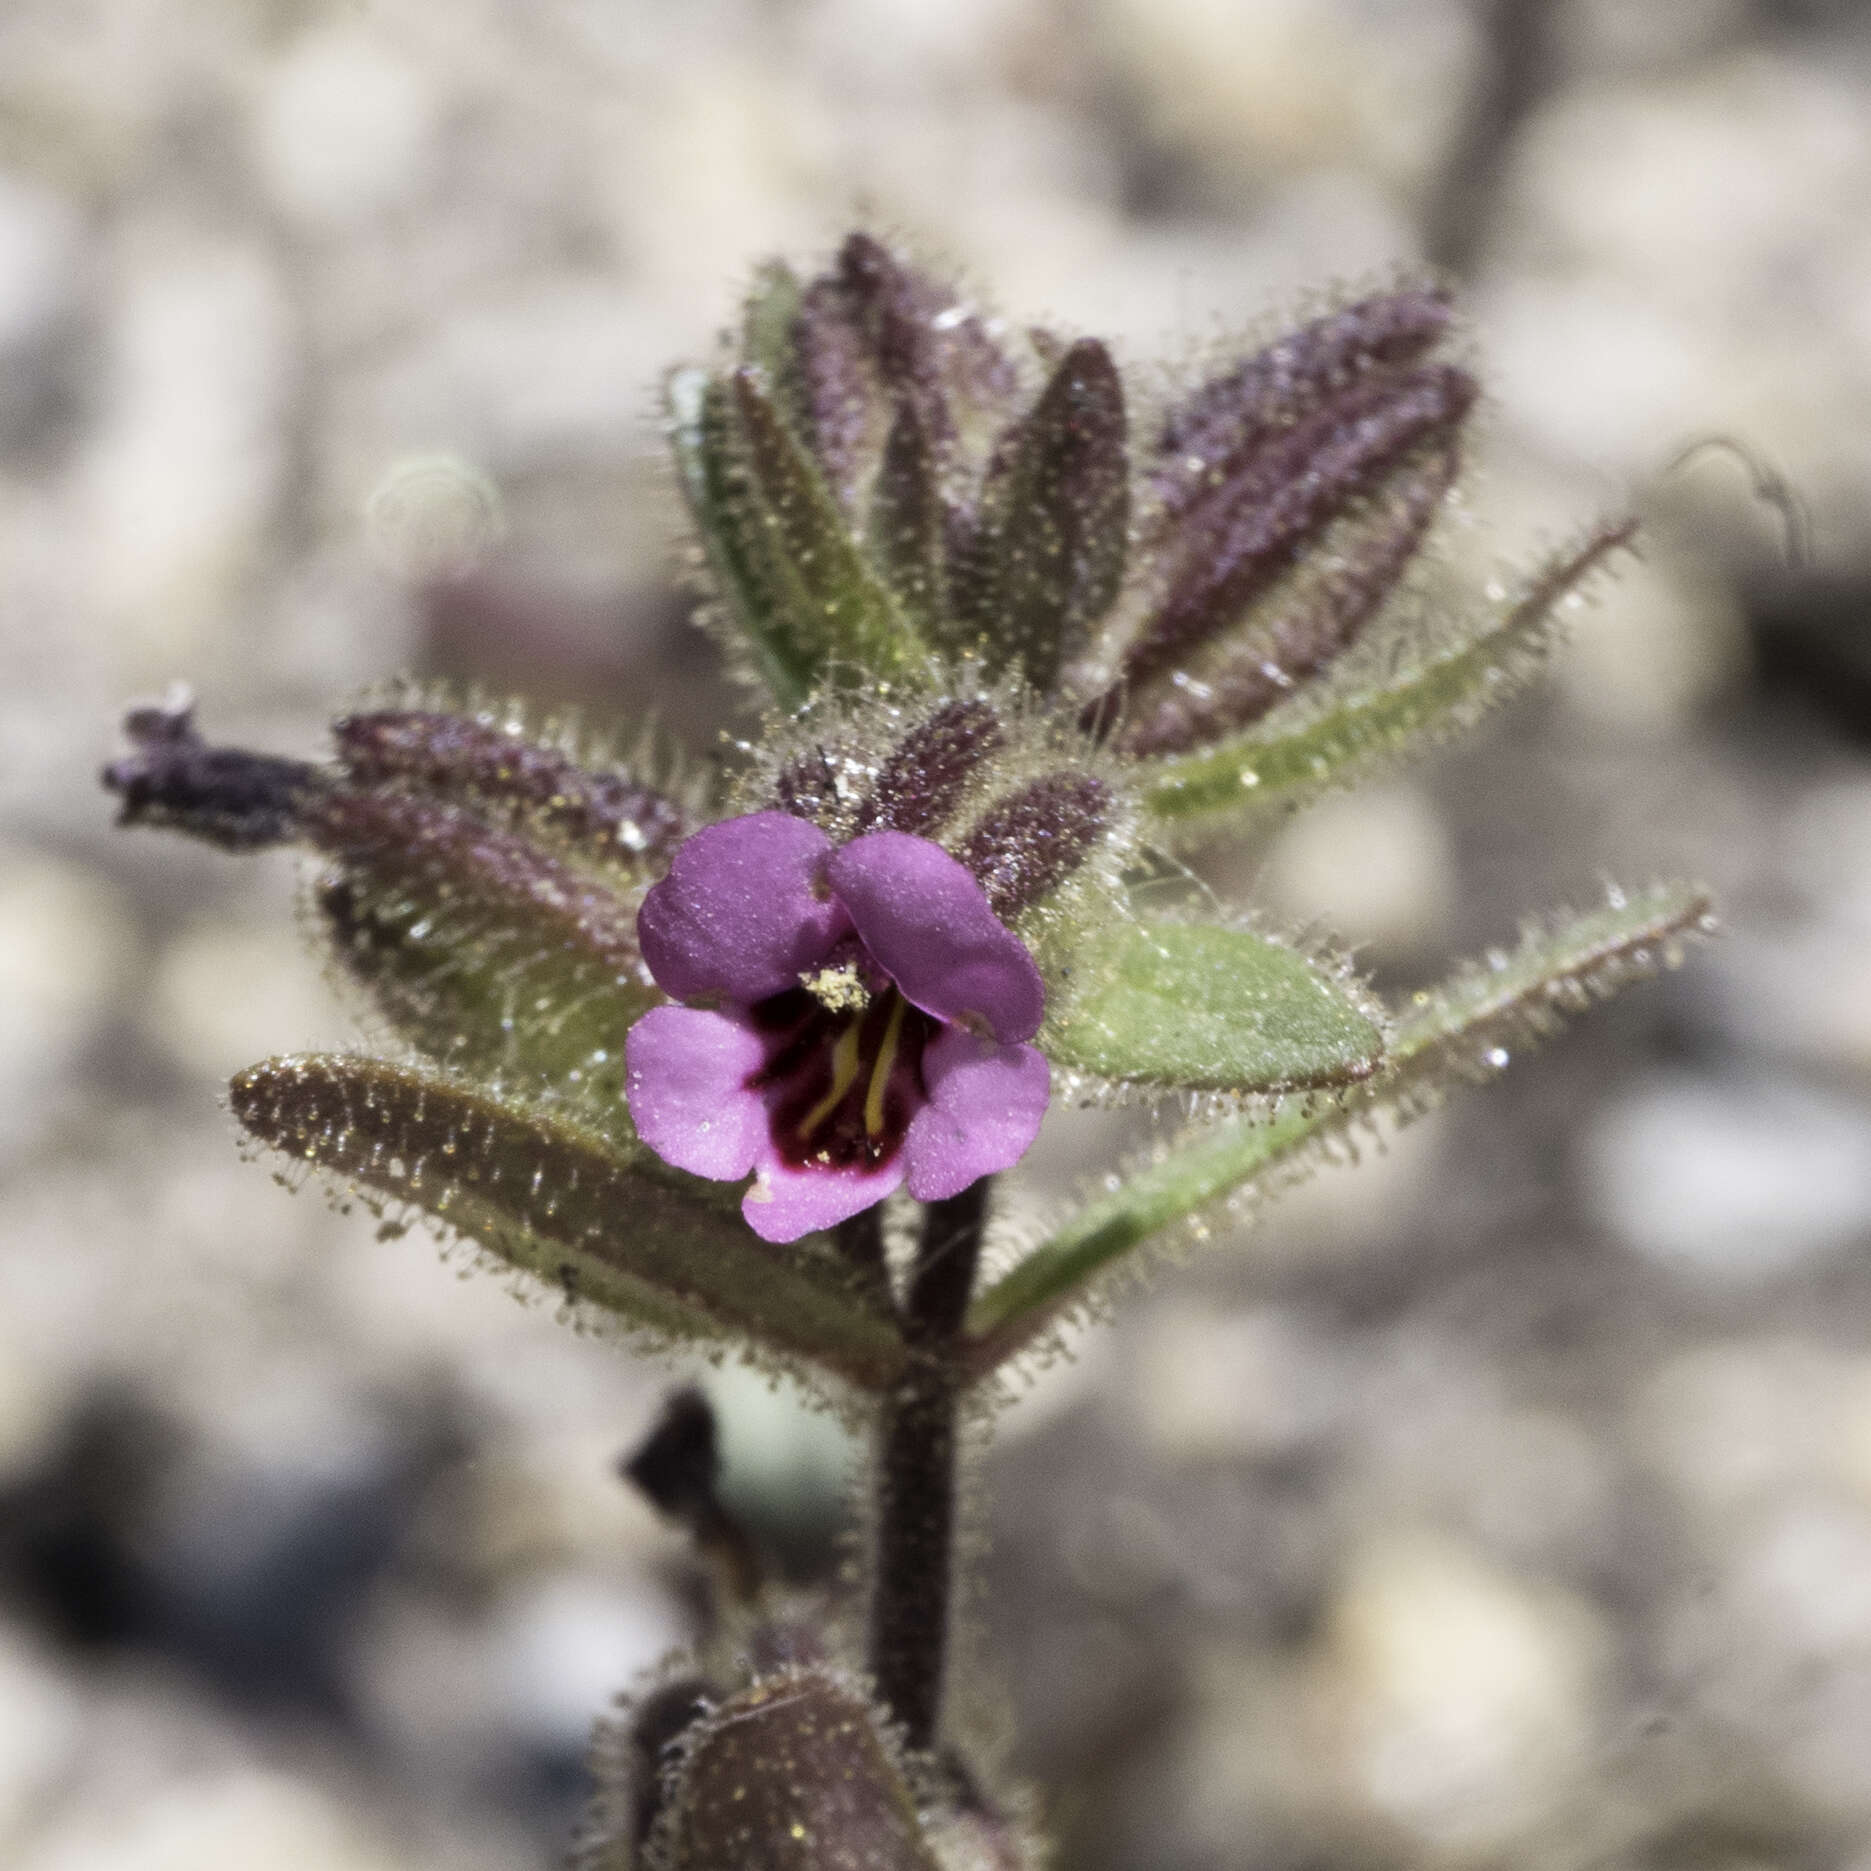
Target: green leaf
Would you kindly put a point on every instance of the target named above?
(551, 1197)
(783, 557)
(1312, 744)
(840, 615)
(1209, 1008)
(769, 320)
(722, 503)
(1471, 1026)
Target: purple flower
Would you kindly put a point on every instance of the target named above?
(863, 1028)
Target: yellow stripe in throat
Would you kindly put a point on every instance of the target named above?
(844, 1076)
(880, 1072)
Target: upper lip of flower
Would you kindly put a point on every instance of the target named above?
(834, 1096)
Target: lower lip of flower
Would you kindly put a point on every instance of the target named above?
(841, 1084)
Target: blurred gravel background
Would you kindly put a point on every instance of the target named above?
(1507, 1501)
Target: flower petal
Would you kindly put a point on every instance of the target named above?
(685, 1079)
(921, 913)
(984, 1110)
(786, 1201)
(742, 912)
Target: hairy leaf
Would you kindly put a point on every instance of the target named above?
(1048, 553)
(1470, 1026)
(1209, 1008)
(1309, 745)
(909, 521)
(569, 1207)
(1308, 618)
(481, 949)
(727, 519)
(841, 619)
(597, 812)
(1231, 417)
(1249, 531)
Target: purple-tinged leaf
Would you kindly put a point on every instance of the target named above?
(1218, 428)
(838, 388)
(1048, 553)
(470, 760)
(1300, 627)
(909, 520)
(1247, 532)
(479, 948)
(929, 345)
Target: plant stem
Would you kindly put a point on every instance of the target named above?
(861, 1241)
(918, 1442)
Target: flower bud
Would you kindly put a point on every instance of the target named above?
(1026, 845)
(922, 779)
(792, 1774)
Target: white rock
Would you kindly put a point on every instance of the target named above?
(40, 252)
(1730, 1182)
(566, 1644)
(178, 480)
(65, 944)
(1466, 1698)
(344, 126)
(1375, 866)
(1826, 850)
(1291, 83)
(1247, 1384)
(1647, 661)
(227, 994)
(225, 1821)
(41, 1726)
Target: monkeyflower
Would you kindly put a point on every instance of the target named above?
(866, 1028)
(1026, 631)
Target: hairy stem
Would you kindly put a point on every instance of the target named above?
(917, 1445)
(861, 1241)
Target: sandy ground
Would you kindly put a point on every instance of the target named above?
(1505, 1500)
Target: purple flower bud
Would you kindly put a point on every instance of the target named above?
(922, 780)
(1027, 845)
